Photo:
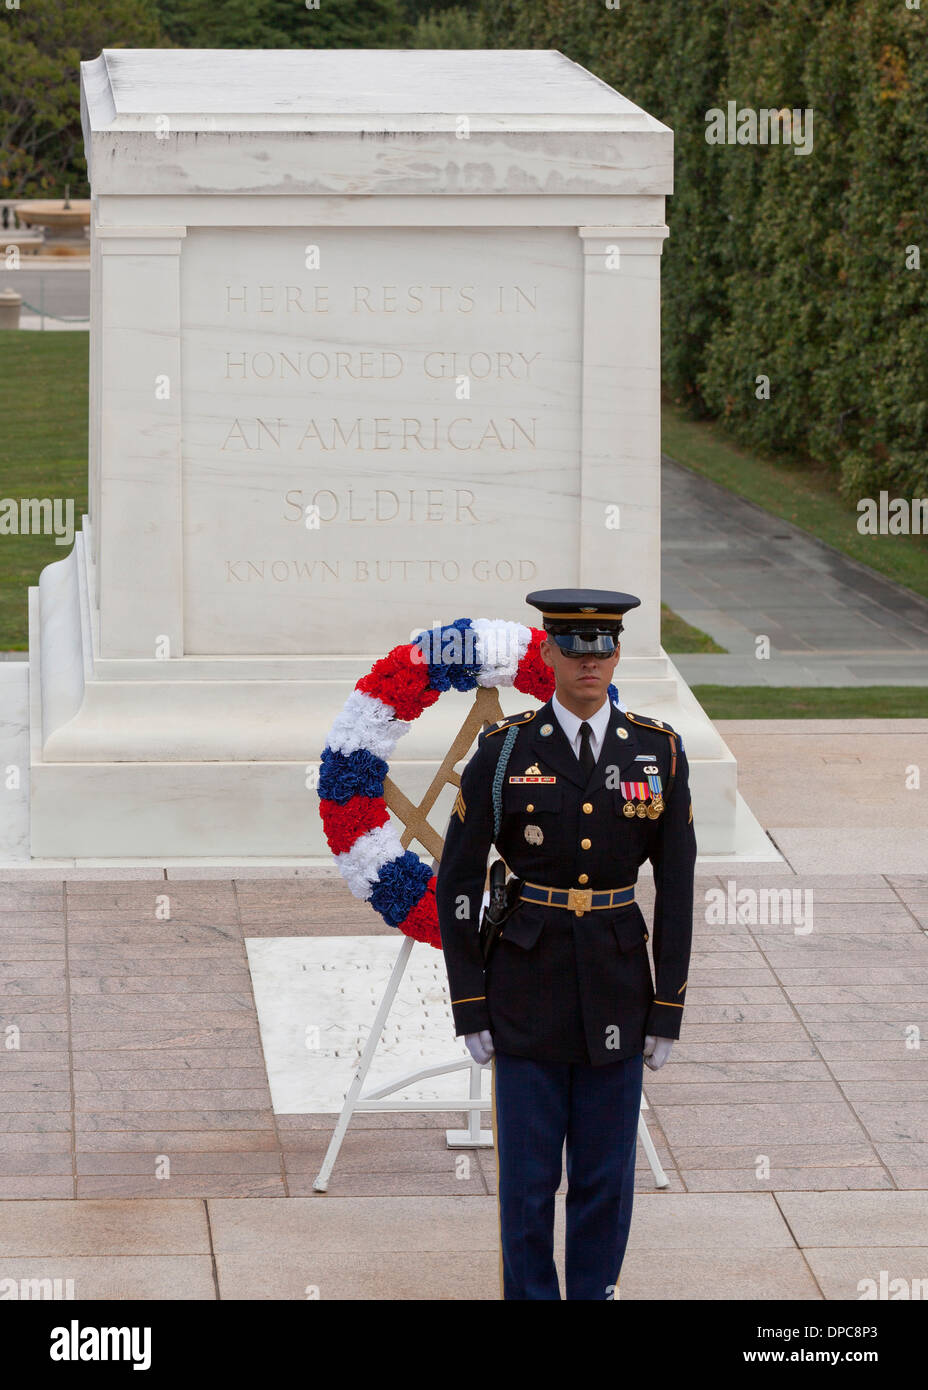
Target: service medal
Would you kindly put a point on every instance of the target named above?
(641, 810)
(653, 810)
(629, 808)
(635, 791)
(658, 804)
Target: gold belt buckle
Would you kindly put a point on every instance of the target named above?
(580, 900)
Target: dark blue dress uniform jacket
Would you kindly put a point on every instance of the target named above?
(559, 987)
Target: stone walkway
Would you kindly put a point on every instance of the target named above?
(792, 1119)
(736, 572)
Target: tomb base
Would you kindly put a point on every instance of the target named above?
(205, 757)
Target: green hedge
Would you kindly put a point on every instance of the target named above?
(779, 264)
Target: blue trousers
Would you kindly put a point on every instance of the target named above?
(536, 1107)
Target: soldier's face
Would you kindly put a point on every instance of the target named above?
(584, 679)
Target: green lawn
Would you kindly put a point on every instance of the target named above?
(813, 702)
(43, 406)
(679, 636)
(807, 497)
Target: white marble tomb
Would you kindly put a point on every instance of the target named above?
(296, 258)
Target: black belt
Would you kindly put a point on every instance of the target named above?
(578, 900)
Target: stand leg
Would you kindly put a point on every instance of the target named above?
(325, 1172)
(660, 1177)
(473, 1137)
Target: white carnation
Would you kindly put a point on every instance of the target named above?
(366, 722)
(500, 646)
(360, 866)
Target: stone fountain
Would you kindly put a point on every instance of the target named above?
(63, 225)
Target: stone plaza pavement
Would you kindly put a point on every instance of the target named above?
(792, 1118)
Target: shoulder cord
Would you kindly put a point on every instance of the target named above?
(673, 766)
(508, 744)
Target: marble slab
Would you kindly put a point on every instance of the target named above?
(453, 121)
(333, 985)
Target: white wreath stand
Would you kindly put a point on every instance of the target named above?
(486, 709)
(471, 1138)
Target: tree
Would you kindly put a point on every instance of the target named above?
(449, 28)
(284, 23)
(41, 45)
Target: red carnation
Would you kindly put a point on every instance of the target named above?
(400, 682)
(421, 923)
(533, 676)
(345, 824)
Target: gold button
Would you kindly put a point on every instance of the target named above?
(530, 807)
(587, 807)
(585, 844)
(584, 878)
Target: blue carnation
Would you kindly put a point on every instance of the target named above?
(464, 678)
(359, 774)
(613, 694)
(448, 649)
(400, 884)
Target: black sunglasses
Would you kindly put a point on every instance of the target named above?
(573, 644)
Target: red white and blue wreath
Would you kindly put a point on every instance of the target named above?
(374, 718)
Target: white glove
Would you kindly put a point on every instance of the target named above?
(480, 1046)
(656, 1051)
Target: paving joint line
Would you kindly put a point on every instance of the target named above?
(802, 1251)
(780, 850)
(918, 925)
(212, 1248)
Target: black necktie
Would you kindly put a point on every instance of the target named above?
(587, 761)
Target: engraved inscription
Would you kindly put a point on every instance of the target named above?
(362, 435)
(402, 420)
(379, 571)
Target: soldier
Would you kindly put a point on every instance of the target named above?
(566, 1007)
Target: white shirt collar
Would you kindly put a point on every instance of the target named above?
(570, 723)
